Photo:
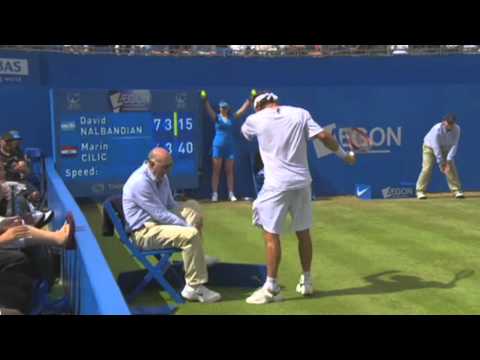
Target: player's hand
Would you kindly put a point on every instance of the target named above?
(11, 222)
(35, 196)
(16, 233)
(350, 159)
(253, 94)
(446, 168)
(5, 192)
(21, 167)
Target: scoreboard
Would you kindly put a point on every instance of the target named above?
(101, 136)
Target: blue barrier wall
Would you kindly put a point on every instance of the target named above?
(400, 97)
(86, 276)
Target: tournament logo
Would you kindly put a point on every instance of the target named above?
(73, 101)
(181, 100)
(14, 67)
(383, 139)
(363, 192)
(397, 193)
(98, 188)
(115, 187)
(69, 151)
(130, 100)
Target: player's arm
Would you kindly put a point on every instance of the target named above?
(240, 112)
(453, 151)
(330, 143)
(208, 107)
(172, 205)
(441, 161)
(248, 103)
(248, 130)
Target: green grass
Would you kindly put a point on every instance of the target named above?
(428, 253)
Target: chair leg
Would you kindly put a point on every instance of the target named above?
(169, 289)
(158, 273)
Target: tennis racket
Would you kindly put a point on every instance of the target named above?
(358, 140)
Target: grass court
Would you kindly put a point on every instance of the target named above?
(370, 257)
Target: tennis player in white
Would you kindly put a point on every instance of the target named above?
(282, 133)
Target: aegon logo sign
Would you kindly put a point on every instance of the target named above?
(382, 139)
(130, 100)
(13, 67)
(397, 193)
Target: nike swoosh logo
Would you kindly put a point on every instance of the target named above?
(360, 193)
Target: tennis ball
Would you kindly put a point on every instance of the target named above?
(351, 153)
(203, 94)
(253, 92)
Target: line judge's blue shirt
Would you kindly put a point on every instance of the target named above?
(441, 140)
(147, 199)
(223, 131)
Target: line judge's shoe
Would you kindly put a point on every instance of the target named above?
(201, 294)
(215, 197)
(421, 195)
(264, 296)
(459, 195)
(304, 288)
(232, 197)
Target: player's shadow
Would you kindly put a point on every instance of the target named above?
(391, 281)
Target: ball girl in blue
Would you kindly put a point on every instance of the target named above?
(223, 147)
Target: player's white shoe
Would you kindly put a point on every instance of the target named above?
(215, 197)
(421, 195)
(200, 293)
(232, 197)
(264, 296)
(211, 260)
(459, 195)
(304, 288)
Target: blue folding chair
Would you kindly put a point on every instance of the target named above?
(113, 207)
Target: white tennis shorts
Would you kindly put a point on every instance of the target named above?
(271, 208)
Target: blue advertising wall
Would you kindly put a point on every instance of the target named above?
(396, 99)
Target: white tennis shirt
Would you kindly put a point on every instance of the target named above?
(282, 135)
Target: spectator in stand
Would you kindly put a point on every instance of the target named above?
(399, 49)
(266, 49)
(16, 165)
(204, 49)
(12, 203)
(315, 50)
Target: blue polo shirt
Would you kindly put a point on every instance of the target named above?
(223, 131)
(147, 199)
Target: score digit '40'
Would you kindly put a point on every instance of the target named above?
(180, 147)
